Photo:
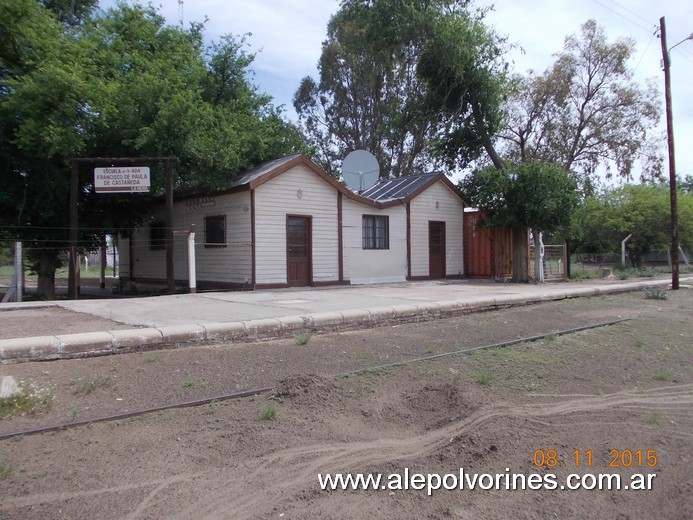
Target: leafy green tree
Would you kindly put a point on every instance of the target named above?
(170, 95)
(461, 64)
(642, 210)
(585, 111)
(119, 84)
(376, 84)
(71, 12)
(368, 95)
(527, 195)
(45, 118)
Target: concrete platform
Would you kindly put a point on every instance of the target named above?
(189, 319)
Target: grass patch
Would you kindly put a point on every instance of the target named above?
(584, 274)
(269, 412)
(30, 400)
(654, 418)
(190, 383)
(484, 378)
(665, 375)
(89, 386)
(512, 355)
(150, 357)
(5, 470)
(376, 371)
(302, 338)
(655, 293)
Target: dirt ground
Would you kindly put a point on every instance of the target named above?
(18, 323)
(623, 387)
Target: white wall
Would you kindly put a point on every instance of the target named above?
(277, 198)
(374, 265)
(451, 211)
(230, 264)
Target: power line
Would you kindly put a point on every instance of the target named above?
(631, 12)
(644, 53)
(638, 24)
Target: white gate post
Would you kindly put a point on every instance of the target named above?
(623, 250)
(539, 257)
(192, 275)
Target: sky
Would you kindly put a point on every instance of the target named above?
(287, 36)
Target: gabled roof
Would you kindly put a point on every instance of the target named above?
(385, 193)
(403, 189)
(398, 188)
(256, 174)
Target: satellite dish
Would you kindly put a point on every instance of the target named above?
(360, 170)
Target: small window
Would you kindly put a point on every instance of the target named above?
(376, 232)
(157, 235)
(215, 231)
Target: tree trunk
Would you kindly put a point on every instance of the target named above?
(520, 250)
(47, 265)
(485, 137)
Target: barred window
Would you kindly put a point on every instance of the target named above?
(376, 232)
(215, 231)
(157, 235)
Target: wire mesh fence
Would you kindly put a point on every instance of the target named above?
(554, 261)
(26, 265)
(137, 264)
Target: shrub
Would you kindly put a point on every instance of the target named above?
(269, 412)
(655, 293)
(30, 400)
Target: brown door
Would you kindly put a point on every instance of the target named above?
(298, 246)
(436, 249)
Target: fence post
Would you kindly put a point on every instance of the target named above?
(567, 258)
(192, 275)
(18, 272)
(103, 263)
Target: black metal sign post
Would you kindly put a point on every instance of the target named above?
(73, 264)
(170, 279)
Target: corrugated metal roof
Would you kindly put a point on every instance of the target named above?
(398, 188)
(261, 170)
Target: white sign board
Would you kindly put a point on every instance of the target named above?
(131, 179)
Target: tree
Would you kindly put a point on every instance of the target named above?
(71, 12)
(119, 84)
(168, 94)
(639, 210)
(585, 112)
(462, 66)
(372, 93)
(45, 118)
(528, 195)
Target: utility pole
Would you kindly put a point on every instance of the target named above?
(672, 163)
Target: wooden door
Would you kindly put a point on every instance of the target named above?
(298, 248)
(436, 249)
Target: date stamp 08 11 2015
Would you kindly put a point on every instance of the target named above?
(551, 458)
